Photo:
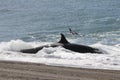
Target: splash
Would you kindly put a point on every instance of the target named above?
(61, 57)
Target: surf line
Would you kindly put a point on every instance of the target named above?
(65, 44)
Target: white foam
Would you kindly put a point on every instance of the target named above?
(62, 57)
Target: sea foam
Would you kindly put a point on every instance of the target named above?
(61, 57)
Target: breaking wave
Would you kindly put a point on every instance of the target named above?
(61, 57)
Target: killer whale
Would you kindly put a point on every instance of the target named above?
(36, 49)
(32, 50)
(65, 44)
(76, 47)
(72, 32)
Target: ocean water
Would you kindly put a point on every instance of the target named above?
(31, 23)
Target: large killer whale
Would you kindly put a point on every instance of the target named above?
(77, 47)
(67, 45)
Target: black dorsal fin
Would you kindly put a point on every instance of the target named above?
(63, 39)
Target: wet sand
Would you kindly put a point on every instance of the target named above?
(12, 70)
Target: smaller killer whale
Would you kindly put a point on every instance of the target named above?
(72, 32)
(35, 50)
(65, 44)
(32, 50)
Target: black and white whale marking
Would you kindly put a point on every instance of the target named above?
(35, 50)
(67, 45)
(76, 47)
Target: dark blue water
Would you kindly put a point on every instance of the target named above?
(43, 20)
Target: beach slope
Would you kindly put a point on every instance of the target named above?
(12, 70)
